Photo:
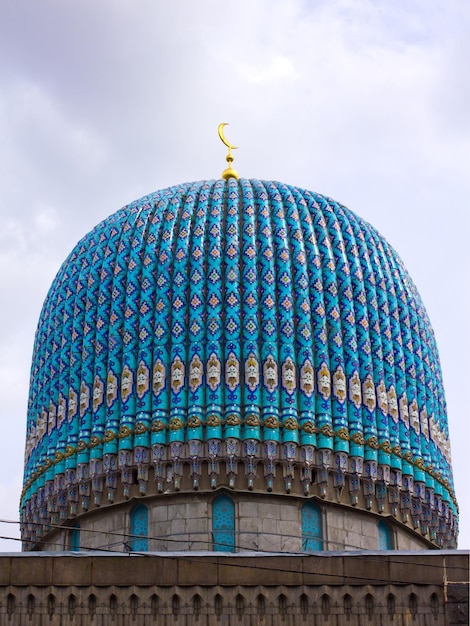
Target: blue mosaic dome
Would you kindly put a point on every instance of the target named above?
(245, 320)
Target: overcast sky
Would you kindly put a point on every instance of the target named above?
(104, 101)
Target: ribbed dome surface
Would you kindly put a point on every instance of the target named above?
(233, 310)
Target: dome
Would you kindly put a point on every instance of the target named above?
(245, 335)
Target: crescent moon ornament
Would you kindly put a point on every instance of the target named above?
(229, 172)
(223, 138)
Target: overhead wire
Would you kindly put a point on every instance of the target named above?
(188, 556)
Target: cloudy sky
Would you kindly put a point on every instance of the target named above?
(104, 101)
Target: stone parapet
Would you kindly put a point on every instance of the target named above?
(207, 588)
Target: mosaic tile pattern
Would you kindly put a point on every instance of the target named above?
(311, 528)
(138, 540)
(231, 311)
(223, 522)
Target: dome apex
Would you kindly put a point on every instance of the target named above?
(229, 172)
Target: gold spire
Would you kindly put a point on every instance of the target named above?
(229, 172)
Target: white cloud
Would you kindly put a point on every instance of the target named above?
(278, 69)
(9, 513)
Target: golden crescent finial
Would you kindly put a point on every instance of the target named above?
(223, 138)
(229, 172)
